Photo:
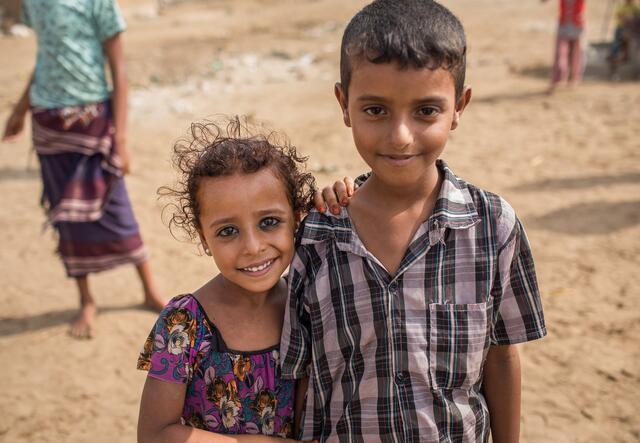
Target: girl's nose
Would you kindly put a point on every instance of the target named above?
(252, 243)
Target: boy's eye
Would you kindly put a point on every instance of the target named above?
(269, 222)
(374, 110)
(428, 111)
(227, 231)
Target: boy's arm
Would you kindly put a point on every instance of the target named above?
(301, 390)
(501, 386)
(331, 198)
(15, 123)
(113, 49)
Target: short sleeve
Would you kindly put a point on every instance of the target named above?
(166, 353)
(108, 19)
(296, 331)
(517, 307)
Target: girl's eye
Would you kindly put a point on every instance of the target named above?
(374, 111)
(227, 231)
(428, 111)
(269, 222)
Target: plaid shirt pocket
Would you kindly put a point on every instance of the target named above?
(458, 343)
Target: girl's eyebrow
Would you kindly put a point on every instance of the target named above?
(221, 221)
(269, 211)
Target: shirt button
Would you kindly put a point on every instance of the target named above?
(393, 287)
(402, 377)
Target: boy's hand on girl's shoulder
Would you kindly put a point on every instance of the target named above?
(332, 197)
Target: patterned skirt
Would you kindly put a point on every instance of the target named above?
(83, 190)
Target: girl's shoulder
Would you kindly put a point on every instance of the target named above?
(183, 310)
(180, 302)
(176, 332)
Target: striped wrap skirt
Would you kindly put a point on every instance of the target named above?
(84, 193)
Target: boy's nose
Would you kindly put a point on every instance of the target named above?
(401, 134)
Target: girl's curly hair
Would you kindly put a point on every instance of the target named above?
(212, 150)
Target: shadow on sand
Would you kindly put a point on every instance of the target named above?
(10, 326)
(578, 182)
(595, 218)
(9, 174)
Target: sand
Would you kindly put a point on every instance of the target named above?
(569, 164)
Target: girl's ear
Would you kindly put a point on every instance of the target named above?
(203, 242)
(343, 102)
(462, 103)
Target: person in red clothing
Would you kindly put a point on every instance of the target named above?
(569, 62)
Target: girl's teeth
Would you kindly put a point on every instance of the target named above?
(258, 268)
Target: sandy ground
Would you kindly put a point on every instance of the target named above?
(569, 164)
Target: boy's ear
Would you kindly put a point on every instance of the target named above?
(462, 103)
(343, 102)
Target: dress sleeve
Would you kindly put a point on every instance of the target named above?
(167, 352)
(107, 18)
(296, 332)
(517, 308)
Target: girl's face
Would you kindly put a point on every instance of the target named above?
(248, 224)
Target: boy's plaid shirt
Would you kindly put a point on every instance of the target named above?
(399, 358)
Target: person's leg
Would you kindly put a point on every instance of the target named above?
(625, 48)
(82, 325)
(560, 63)
(151, 297)
(576, 57)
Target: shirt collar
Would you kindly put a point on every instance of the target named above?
(454, 209)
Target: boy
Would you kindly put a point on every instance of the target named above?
(403, 310)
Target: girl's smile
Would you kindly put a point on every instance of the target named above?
(248, 223)
(260, 269)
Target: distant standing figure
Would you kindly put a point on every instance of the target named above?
(79, 134)
(568, 63)
(625, 13)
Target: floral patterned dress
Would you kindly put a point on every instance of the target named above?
(227, 391)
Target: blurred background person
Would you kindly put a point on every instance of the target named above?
(569, 62)
(625, 13)
(79, 135)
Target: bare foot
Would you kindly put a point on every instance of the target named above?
(153, 301)
(82, 325)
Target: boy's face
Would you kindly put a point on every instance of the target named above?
(400, 118)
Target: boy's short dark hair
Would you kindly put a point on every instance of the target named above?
(416, 33)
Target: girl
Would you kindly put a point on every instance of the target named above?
(568, 60)
(213, 355)
(79, 134)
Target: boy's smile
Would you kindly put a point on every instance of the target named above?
(400, 118)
